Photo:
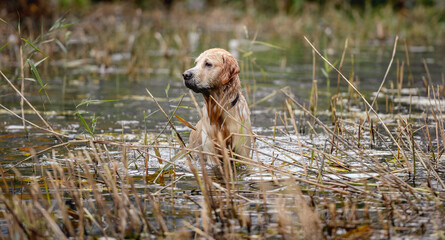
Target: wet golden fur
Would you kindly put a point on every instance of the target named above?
(225, 109)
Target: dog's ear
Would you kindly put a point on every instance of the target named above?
(230, 68)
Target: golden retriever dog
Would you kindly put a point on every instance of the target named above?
(225, 111)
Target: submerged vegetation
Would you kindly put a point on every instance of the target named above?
(94, 119)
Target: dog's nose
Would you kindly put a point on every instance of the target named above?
(187, 75)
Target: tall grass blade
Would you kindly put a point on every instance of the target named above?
(167, 89)
(5, 45)
(60, 44)
(183, 121)
(84, 123)
(37, 75)
(59, 24)
(39, 62)
(30, 44)
(267, 45)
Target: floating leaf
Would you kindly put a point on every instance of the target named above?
(88, 102)
(11, 135)
(362, 232)
(27, 149)
(157, 177)
(42, 139)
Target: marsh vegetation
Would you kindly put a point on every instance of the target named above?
(347, 110)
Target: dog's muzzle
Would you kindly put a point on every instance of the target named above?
(191, 83)
(187, 75)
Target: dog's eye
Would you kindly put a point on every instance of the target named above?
(207, 64)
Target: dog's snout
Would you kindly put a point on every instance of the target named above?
(187, 75)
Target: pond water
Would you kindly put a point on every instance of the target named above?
(265, 72)
(273, 70)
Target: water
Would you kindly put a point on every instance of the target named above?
(126, 113)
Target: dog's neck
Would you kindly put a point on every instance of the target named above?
(226, 96)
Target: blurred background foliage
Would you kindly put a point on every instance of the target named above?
(36, 9)
(422, 20)
(123, 26)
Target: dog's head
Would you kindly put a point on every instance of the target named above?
(214, 68)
